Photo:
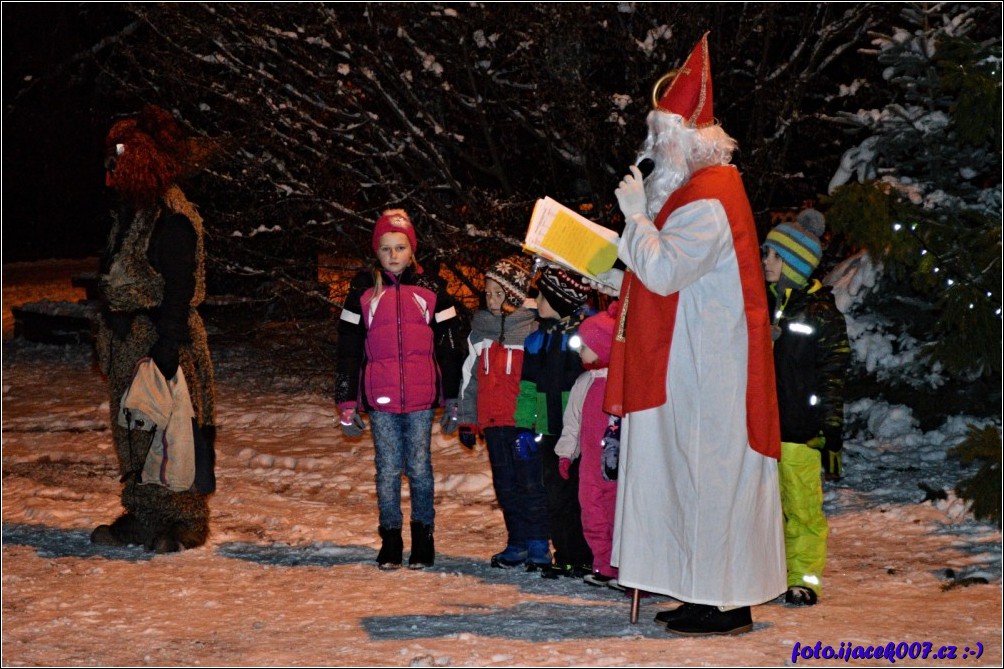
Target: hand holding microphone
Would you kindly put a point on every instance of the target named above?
(631, 191)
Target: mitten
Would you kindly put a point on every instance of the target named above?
(468, 436)
(611, 448)
(525, 445)
(351, 422)
(564, 465)
(448, 422)
(165, 355)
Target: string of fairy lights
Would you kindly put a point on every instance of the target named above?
(898, 226)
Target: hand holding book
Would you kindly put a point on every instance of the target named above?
(561, 235)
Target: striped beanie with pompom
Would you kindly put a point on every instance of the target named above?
(799, 249)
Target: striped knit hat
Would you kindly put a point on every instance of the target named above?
(513, 274)
(799, 249)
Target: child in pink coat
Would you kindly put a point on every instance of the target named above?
(586, 427)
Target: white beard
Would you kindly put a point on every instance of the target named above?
(678, 152)
(660, 184)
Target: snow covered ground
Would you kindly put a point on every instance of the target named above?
(288, 577)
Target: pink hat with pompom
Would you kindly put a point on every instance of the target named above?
(394, 220)
(597, 332)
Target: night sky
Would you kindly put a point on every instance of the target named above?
(53, 125)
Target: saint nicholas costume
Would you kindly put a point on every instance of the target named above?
(698, 509)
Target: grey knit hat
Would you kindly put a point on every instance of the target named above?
(812, 221)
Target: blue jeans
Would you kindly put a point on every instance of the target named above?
(519, 487)
(401, 442)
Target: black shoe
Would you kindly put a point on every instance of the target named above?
(555, 571)
(391, 549)
(423, 546)
(126, 530)
(684, 610)
(103, 536)
(597, 579)
(568, 570)
(180, 536)
(798, 595)
(706, 620)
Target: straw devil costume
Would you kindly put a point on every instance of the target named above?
(152, 279)
(698, 509)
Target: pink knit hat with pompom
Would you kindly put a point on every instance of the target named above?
(394, 220)
(597, 332)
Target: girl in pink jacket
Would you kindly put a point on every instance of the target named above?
(399, 358)
(591, 433)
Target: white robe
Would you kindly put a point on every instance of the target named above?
(698, 511)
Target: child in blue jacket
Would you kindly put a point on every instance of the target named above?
(550, 367)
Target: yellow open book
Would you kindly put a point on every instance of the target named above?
(560, 235)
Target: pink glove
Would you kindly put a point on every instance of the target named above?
(564, 464)
(350, 421)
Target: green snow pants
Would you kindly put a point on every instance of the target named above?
(805, 527)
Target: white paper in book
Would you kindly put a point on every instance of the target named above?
(561, 235)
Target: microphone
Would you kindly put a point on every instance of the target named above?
(646, 166)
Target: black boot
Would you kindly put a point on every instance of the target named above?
(423, 547)
(685, 609)
(103, 536)
(799, 595)
(391, 549)
(704, 620)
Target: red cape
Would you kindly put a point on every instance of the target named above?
(643, 336)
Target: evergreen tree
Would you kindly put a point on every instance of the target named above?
(922, 193)
(982, 446)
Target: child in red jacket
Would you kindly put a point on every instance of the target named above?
(489, 387)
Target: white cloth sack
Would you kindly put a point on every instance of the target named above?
(154, 403)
